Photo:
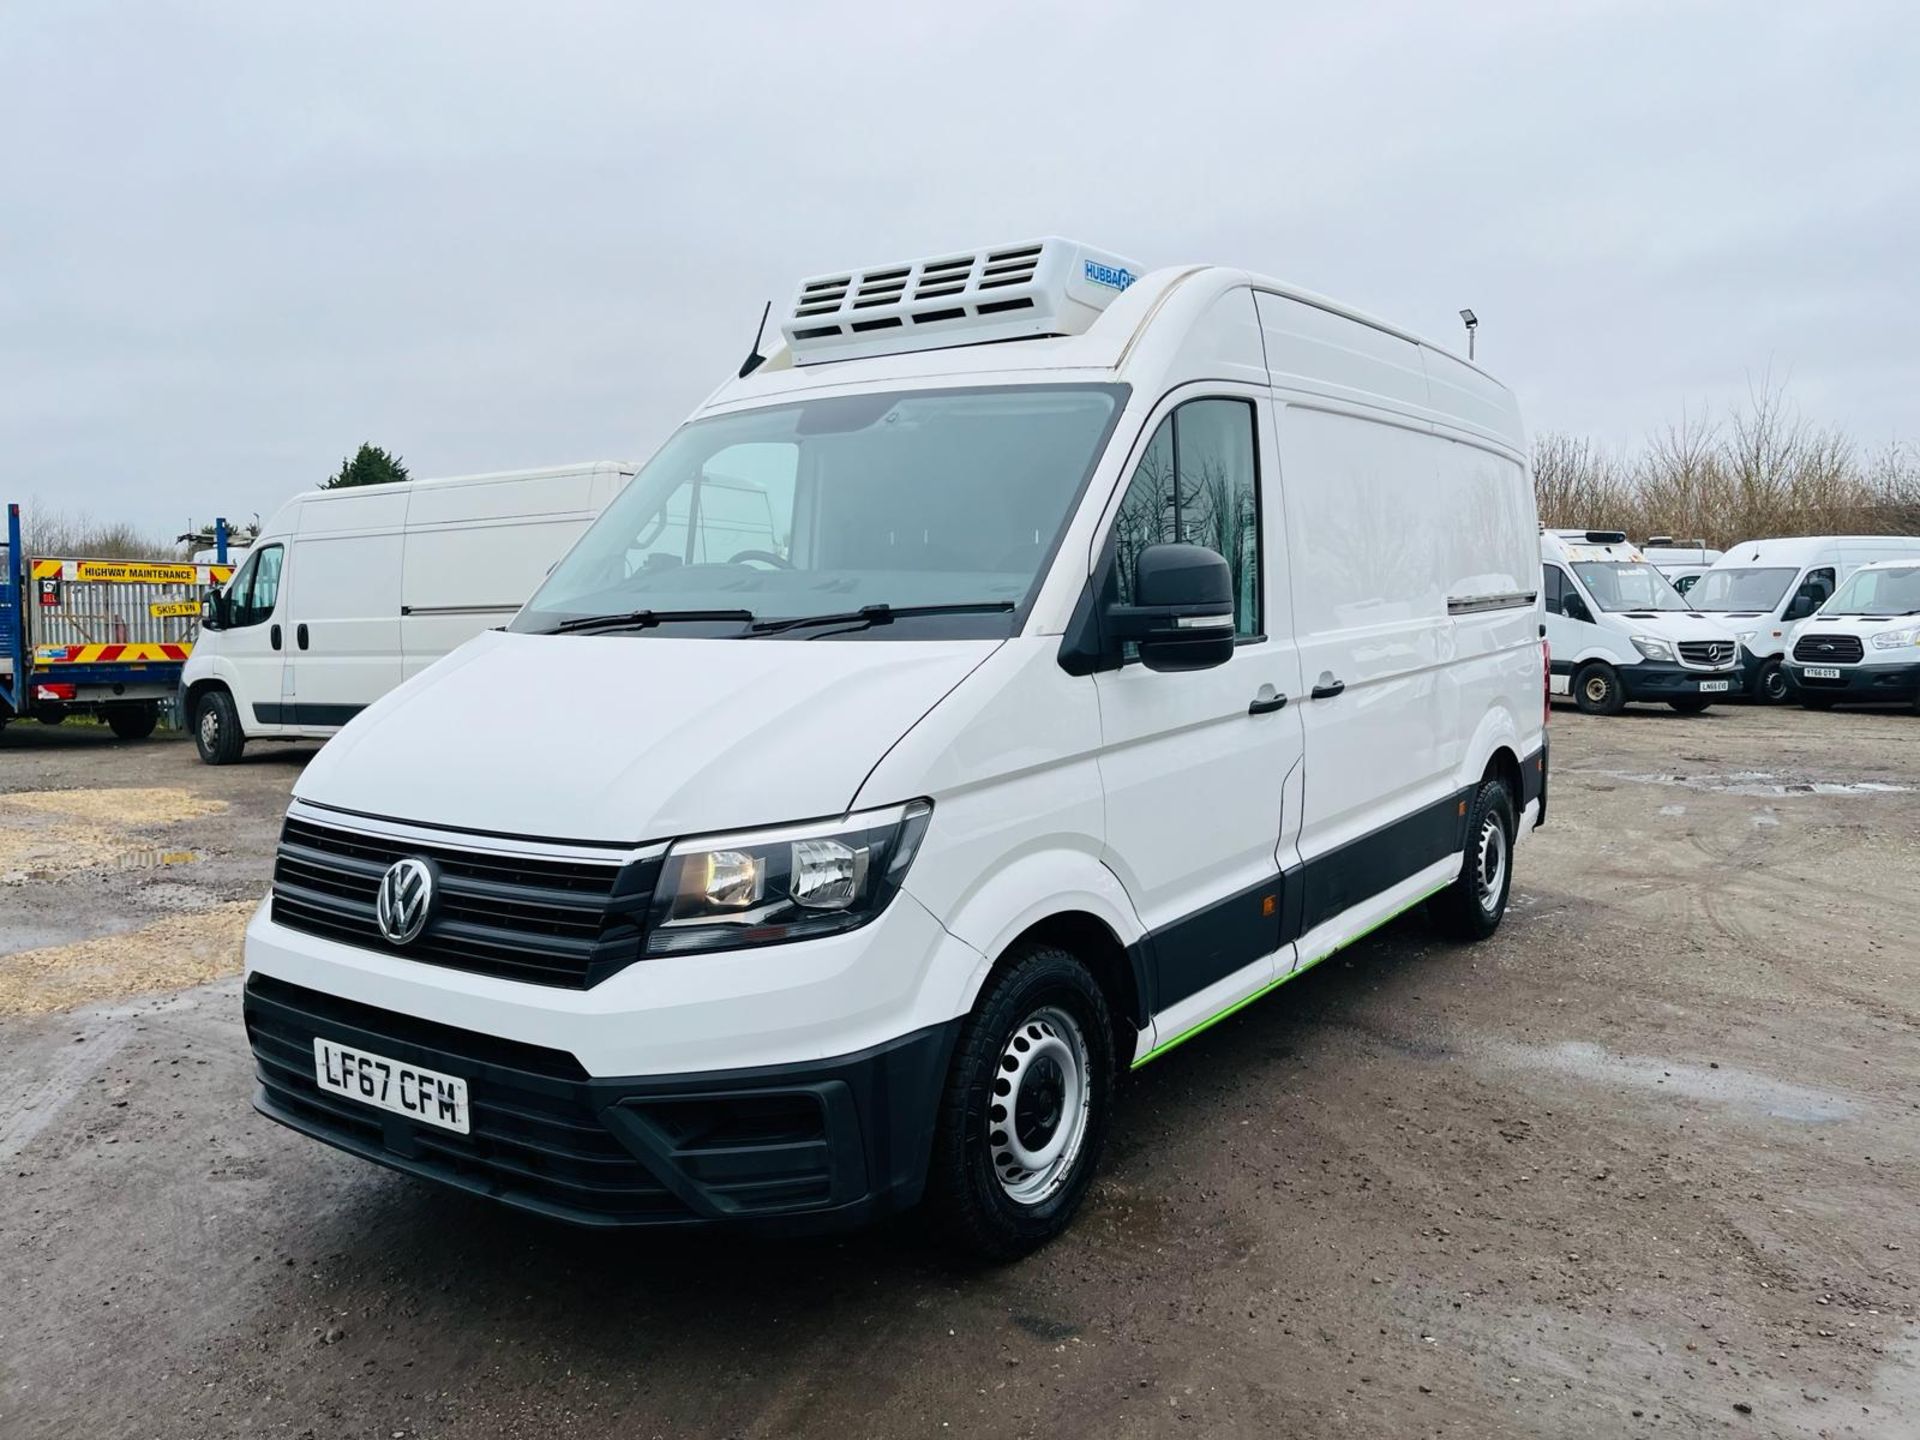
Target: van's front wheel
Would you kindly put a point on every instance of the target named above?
(1472, 906)
(216, 728)
(1024, 1114)
(1597, 690)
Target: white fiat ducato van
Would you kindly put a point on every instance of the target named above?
(1620, 632)
(1863, 645)
(1128, 645)
(345, 593)
(1761, 588)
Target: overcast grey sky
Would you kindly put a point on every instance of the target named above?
(238, 239)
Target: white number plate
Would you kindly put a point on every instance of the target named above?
(388, 1085)
(1712, 687)
(1822, 672)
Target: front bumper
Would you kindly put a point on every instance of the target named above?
(1664, 680)
(1860, 682)
(817, 1145)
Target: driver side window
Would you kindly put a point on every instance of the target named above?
(740, 504)
(256, 589)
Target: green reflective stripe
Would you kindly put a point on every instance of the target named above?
(1273, 985)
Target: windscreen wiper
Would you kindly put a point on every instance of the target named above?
(881, 615)
(642, 620)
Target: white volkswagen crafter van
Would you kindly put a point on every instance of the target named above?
(1125, 647)
(345, 593)
(1762, 588)
(1863, 645)
(1620, 632)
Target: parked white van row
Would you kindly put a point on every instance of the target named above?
(1120, 647)
(1761, 588)
(345, 593)
(1864, 643)
(1619, 632)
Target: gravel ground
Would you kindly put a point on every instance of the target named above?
(1643, 1164)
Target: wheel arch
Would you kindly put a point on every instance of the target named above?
(1072, 900)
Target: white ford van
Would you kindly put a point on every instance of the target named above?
(1863, 644)
(1620, 632)
(1126, 645)
(1760, 588)
(345, 593)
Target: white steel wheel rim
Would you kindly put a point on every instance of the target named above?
(1036, 1121)
(209, 727)
(1597, 689)
(1490, 863)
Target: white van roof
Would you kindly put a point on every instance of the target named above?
(1093, 319)
(1800, 550)
(392, 496)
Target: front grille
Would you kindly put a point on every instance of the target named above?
(546, 921)
(1713, 654)
(1828, 649)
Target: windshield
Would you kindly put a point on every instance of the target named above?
(1626, 585)
(1758, 590)
(1878, 592)
(825, 506)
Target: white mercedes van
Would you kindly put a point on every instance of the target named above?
(1620, 632)
(1761, 588)
(345, 593)
(1863, 645)
(1126, 645)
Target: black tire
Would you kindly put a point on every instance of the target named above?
(1816, 702)
(1597, 689)
(1471, 908)
(968, 1199)
(1690, 705)
(132, 722)
(216, 728)
(1772, 686)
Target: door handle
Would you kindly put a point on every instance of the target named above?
(1267, 704)
(273, 636)
(300, 634)
(1328, 687)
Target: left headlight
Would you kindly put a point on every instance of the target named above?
(1651, 648)
(796, 882)
(1895, 639)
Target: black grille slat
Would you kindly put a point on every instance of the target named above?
(1829, 649)
(546, 922)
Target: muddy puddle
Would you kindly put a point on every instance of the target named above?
(1762, 783)
(1740, 1090)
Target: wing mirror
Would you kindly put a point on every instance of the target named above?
(1182, 615)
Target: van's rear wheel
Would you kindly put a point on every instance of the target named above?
(1024, 1114)
(1597, 690)
(1690, 704)
(1472, 906)
(132, 722)
(216, 728)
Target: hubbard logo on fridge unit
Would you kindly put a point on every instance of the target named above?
(404, 901)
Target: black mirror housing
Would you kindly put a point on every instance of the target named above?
(1182, 615)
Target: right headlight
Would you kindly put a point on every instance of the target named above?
(794, 882)
(1653, 648)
